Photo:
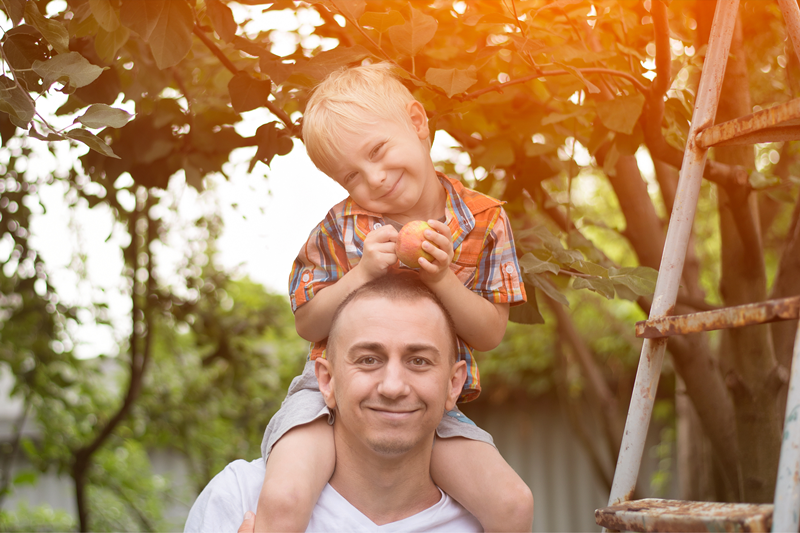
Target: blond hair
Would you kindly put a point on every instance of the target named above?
(346, 100)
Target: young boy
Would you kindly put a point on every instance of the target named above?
(364, 129)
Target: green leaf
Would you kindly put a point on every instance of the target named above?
(165, 24)
(15, 9)
(16, 103)
(248, 93)
(102, 116)
(598, 285)
(271, 142)
(578, 74)
(26, 477)
(92, 141)
(49, 137)
(410, 37)
(105, 14)
(589, 268)
(529, 263)
(53, 31)
(275, 69)
(641, 280)
(222, 18)
(525, 45)
(352, 9)
(452, 80)
(107, 44)
(621, 113)
(381, 22)
(322, 64)
(72, 69)
(541, 283)
(527, 313)
(495, 153)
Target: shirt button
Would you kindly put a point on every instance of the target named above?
(306, 276)
(377, 225)
(509, 268)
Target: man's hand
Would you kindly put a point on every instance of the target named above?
(249, 524)
(379, 252)
(439, 244)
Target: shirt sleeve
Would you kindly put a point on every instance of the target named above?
(222, 504)
(498, 278)
(321, 262)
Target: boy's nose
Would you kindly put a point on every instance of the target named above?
(375, 178)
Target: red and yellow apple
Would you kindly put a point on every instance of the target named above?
(409, 243)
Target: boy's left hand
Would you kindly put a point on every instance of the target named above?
(439, 244)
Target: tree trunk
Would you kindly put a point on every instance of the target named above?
(142, 330)
(746, 354)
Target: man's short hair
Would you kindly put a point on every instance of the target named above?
(404, 286)
(346, 100)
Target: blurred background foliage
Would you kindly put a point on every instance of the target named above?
(575, 112)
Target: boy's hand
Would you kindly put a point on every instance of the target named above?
(379, 252)
(439, 244)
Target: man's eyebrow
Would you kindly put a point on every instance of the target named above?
(377, 346)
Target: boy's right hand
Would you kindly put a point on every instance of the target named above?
(379, 252)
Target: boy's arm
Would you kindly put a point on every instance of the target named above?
(479, 322)
(313, 319)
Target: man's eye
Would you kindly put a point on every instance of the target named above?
(418, 361)
(368, 361)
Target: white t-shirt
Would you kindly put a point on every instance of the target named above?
(221, 507)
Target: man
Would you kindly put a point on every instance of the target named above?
(390, 374)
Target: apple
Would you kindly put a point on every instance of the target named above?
(409, 243)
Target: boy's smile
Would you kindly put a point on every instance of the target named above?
(389, 170)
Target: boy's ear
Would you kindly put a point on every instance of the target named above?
(418, 119)
(323, 370)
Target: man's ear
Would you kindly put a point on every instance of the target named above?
(323, 370)
(458, 375)
(418, 119)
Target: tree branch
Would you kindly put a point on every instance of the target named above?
(545, 73)
(663, 53)
(228, 64)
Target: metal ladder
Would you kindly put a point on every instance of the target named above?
(779, 123)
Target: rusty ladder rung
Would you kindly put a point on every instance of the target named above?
(653, 514)
(729, 317)
(778, 123)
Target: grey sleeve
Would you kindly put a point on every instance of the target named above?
(221, 506)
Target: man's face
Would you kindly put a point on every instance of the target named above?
(391, 376)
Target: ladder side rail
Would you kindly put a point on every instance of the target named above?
(786, 516)
(791, 16)
(674, 254)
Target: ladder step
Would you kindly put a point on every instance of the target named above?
(778, 123)
(729, 317)
(653, 514)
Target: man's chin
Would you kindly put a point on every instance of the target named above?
(391, 446)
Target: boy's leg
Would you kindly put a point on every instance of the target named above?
(298, 467)
(471, 470)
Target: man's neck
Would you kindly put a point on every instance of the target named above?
(385, 488)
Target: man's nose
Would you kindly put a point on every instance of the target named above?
(393, 383)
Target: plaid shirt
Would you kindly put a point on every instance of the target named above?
(484, 257)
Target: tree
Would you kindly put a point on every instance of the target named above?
(547, 99)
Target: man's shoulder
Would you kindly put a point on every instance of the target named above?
(230, 494)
